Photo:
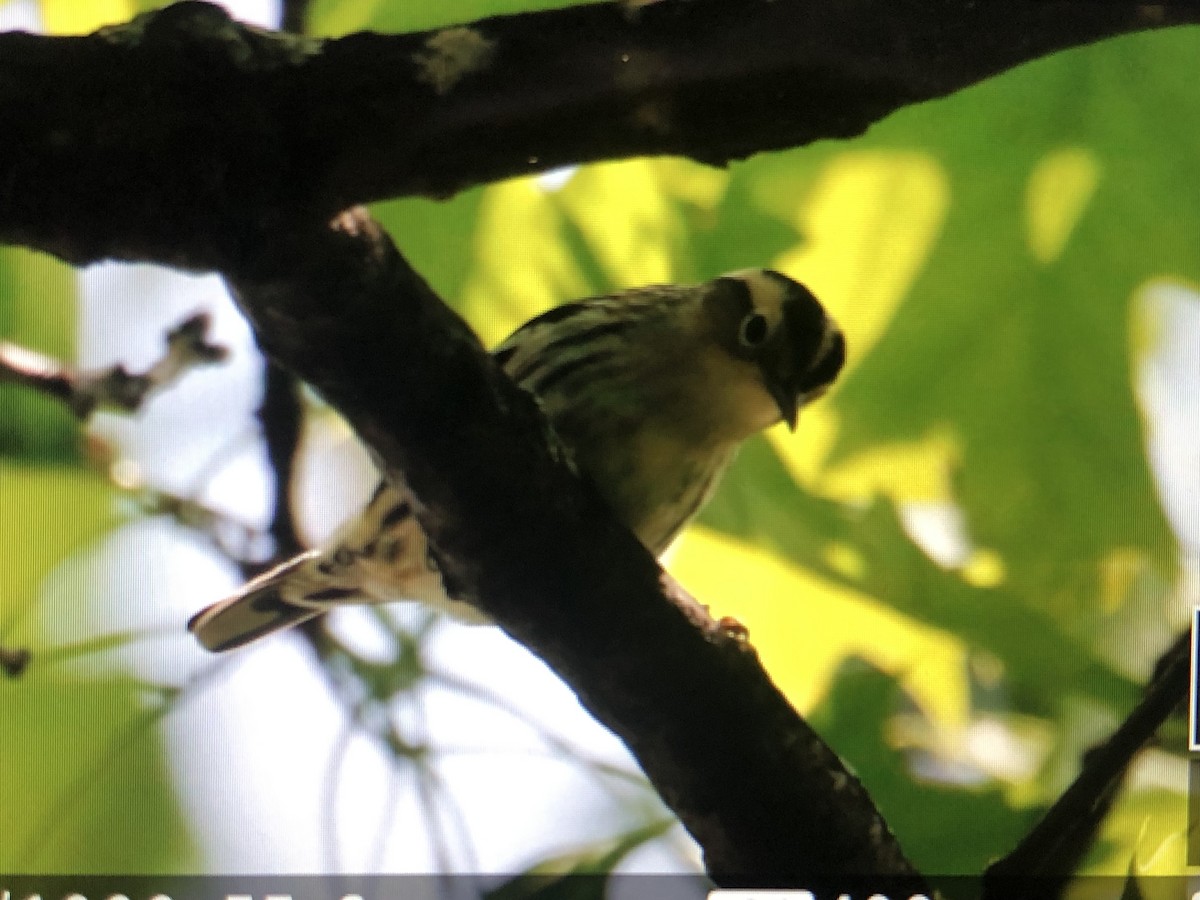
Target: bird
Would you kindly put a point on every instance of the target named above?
(650, 390)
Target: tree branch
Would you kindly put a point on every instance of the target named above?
(1053, 849)
(161, 139)
(281, 419)
(113, 388)
(764, 796)
(294, 16)
(188, 140)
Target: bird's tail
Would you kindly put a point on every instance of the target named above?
(258, 609)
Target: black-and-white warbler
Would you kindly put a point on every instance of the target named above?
(651, 390)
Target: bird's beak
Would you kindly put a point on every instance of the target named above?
(810, 365)
(787, 401)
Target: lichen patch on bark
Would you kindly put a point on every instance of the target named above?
(450, 55)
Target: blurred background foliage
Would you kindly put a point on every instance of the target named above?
(960, 566)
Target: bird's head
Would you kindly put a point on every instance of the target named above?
(765, 319)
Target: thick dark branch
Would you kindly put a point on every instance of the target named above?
(162, 139)
(186, 139)
(764, 796)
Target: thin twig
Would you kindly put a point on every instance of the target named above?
(113, 388)
(553, 741)
(294, 16)
(1053, 849)
(237, 540)
(281, 419)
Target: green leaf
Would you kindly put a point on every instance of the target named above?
(1010, 343)
(74, 17)
(437, 237)
(337, 17)
(854, 718)
(37, 310)
(610, 226)
(580, 874)
(49, 512)
(865, 547)
(84, 784)
(1063, 179)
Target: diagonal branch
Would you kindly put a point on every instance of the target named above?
(764, 796)
(159, 140)
(188, 140)
(113, 388)
(1053, 849)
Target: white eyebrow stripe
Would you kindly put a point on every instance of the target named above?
(827, 337)
(766, 294)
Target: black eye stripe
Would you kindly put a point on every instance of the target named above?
(740, 291)
(396, 514)
(827, 368)
(805, 315)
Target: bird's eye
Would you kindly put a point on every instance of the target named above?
(753, 330)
